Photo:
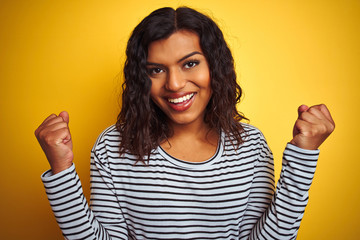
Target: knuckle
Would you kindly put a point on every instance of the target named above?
(48, 139)
(305, 115)
(324, 108)
(312, 109)
(323, 129)
(314, 132)
(41, 135)
(331, 128)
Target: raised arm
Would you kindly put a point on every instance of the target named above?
(104, 219)
(277, 215)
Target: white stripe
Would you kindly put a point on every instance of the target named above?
(222, 198)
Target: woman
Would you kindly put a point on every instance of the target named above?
(178, 164)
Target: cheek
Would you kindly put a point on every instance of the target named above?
(203, 79)
(202, 76)
(155, 90)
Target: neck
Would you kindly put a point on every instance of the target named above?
(194, 142)
(196, 130)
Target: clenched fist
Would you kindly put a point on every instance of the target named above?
(312, 127)
(55, 140)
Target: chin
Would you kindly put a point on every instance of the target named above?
(185, 120)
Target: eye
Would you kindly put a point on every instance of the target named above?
(154, 71)
(191, 63)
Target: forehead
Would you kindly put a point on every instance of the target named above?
(173, 48)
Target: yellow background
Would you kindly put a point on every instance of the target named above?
(68, 55)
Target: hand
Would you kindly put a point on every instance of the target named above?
(55, 140)
(312, 127)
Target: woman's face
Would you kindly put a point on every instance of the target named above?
(180, 77)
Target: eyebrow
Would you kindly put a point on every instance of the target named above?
(180, 60)
(189, 55)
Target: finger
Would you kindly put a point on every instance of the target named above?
(45, 123)
(52, 116)
(309, 117)
(323, 114)
(322, 111)
(56, 137)
(63, 134)
(44, 132)
(301, 109)
(316, 117)
(49, 121)
(315, 110)
(52, 121)
(302, 125)
(65, 116)
(56, 126)
(326, 112)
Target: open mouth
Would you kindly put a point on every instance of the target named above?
(181, 103)
(181, 99)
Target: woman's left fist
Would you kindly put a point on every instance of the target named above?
(312, 127)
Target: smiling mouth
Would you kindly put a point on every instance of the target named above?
(181, 104)
(181, 99)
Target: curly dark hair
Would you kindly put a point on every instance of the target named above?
(143, 126)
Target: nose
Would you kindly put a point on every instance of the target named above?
(175, 81)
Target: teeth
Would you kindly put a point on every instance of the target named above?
(181, 99)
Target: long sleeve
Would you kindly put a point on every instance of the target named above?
(230, 196)
(76, 220)
(277, 214)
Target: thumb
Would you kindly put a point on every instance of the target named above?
(65, 116)
(301, 109)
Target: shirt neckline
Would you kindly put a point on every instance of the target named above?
(195, 165)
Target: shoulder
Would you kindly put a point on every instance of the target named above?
(250, 129)
(106, 147)
(109, 135)
(250, 133)
(252, 138)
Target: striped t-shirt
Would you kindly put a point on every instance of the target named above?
(229, 196)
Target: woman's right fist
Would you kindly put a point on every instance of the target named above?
(55, 140)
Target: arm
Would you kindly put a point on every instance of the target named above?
(64, 190)
(77, 221)
(276, 214)
(279, 216)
